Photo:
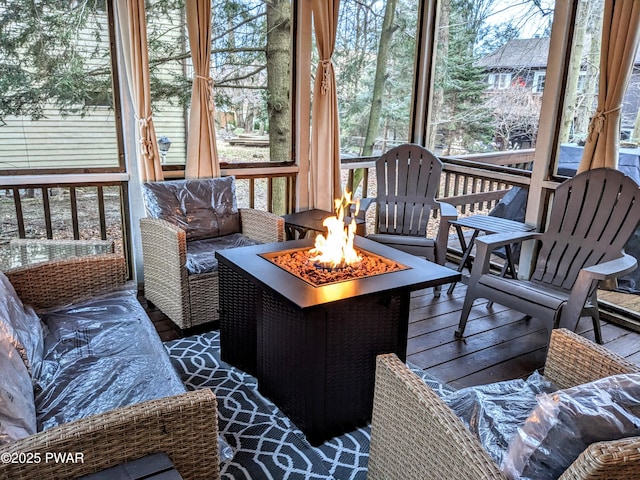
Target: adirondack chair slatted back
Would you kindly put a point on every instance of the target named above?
(592, 217)
(408, 179)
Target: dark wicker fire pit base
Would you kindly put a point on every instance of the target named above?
(313, 349)
(326, 383)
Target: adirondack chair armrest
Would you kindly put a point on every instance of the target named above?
(612, 268)
(586, 282)
(365, 203)
(496, 240)
(487, 244)
(447, 212)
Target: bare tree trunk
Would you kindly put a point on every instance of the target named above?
(278, 80)
(442, 48)
(586, 106)
(378, 86)
(381, 73)
(574, 72)
(635, 135)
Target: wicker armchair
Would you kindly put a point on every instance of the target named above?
(183, 426)
(414, 434)
(191, 299)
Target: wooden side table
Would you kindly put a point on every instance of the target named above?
(301, 224)
(487, 224)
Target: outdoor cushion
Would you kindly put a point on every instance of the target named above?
(201, 253)
(494, 412)
(565, 423)
(100, 355)
(204, 208)
(21, 326)
(17, 409)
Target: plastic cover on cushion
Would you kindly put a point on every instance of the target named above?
(17, 409)
(201, 256)
(22, 326)
(494, 412)
(204, 208)
(101, 355)
(161, 201)
(564, 423)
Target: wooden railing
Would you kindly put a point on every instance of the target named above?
(96, 206)
(470, 182)
(250, 177)
(255, 182)
(73, 207)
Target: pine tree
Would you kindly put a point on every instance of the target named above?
(465, 122)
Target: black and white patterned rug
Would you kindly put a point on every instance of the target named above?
(265, 443)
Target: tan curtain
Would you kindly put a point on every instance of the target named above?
(325, 135)
(202, 156)
(620, 34)
(133, 30)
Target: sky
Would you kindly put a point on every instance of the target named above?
(525, 14)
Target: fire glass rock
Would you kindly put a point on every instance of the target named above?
(299, 263)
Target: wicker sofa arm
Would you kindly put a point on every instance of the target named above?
(573, 360)
(617, 459)
(183, 426)
(164, 256)
(62, 282)
(164, 238)
(415, 435)
(261, 226)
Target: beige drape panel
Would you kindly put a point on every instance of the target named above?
(620, 35)
(133, 30)
(202, 155)
(325, 133)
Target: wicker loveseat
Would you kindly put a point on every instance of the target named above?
(187, 220)
(65, 362)
(416, 436)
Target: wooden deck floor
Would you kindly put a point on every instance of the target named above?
(498, 343)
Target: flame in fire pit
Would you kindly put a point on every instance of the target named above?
(336, 249)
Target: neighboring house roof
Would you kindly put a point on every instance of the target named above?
(518, 53)
(523, 53)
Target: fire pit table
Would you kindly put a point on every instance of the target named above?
(313, 348)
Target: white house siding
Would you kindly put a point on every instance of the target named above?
(59, 142)
(170, 122)
(78, 142)
(81, 142)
